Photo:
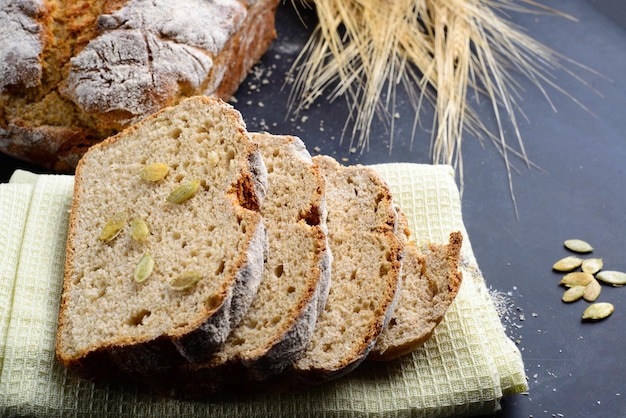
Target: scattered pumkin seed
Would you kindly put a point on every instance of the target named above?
(578, 278)
(568, 263)
(185, 280)
(592, 265)
(578, 245)
(599, 310)
(616, 278)
(139, 229)
(113, 226)
(592, 291)
(154, 172)
(144, 268)
(573, 294)
(183, 192)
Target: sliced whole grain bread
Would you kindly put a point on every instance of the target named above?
(430, 282)
(216, 237)
(366, 270)
(279, 324)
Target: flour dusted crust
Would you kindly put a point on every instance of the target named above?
(105, 316)
(75, 73)
(146, 49)
(21, 42)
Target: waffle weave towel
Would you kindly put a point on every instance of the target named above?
(464, 369)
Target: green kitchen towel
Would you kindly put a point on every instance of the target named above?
(465, 369)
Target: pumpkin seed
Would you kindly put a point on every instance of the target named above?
(154, 172)
(573, 293)
(113, 226)
(592, 265)
(185, 280)
(139, 229)
(578, 246)
(578, 278)
(598, 310)
(592, 291)
(568, 263)
(616, 278)
(144, 268)
(183, 192)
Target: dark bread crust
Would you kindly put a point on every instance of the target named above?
(41, 125)
(212, 324)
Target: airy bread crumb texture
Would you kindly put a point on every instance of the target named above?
(279, 324)
(210, 233)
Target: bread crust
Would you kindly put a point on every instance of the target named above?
(42, 122)
(209, 328)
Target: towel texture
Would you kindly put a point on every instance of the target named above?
(464, 369)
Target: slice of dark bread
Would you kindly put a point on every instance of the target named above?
(216, 237)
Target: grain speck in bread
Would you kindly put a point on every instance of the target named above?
(75, 72)
(105, 314)
(430, 283)
(365, 276)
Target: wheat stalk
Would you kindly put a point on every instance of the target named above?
(437, 50)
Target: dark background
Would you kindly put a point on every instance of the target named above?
(578, 191)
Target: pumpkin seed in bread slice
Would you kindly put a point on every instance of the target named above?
(213, 242)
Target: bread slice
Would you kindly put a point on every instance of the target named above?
(366, 269)
(293, 291)
(430, 282)
(217, 233)
(296, 278)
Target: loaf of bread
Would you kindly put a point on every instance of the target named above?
(75, 72)
(166, 243)
(280, 322)
(365, 278)
(430, 282)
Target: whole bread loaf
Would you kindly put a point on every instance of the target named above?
(75, 72)
(430, 282)
(166, 244)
